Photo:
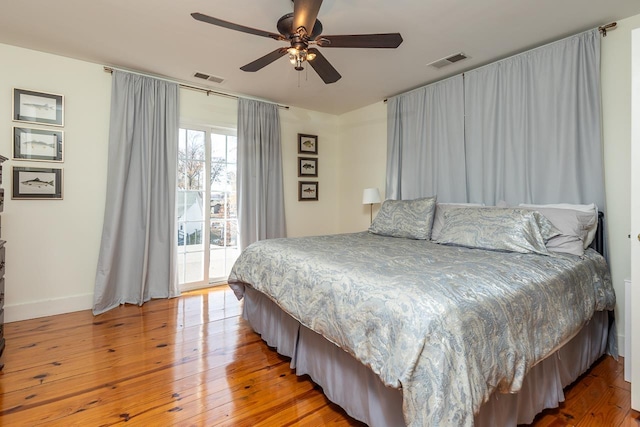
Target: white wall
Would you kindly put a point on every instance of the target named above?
(363, 156)
(310, 218)
(53, 245)
(616, 116)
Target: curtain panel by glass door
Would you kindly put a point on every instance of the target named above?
(206, 196)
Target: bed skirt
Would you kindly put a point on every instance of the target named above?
(354, 387)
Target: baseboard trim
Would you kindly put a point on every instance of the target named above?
(51, 307)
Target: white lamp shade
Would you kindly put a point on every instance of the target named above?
(370, 195)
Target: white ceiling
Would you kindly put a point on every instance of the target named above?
(160, 37)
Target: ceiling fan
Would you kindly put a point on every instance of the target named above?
(301, 29)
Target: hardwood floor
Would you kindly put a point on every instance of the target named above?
(193, 361)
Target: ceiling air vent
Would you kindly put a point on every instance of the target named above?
(209, 77)
(448, 60)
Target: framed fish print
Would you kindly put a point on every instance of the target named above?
(38, 107)
(307, 144)
(37, 144)
(37, 183)
(307, 191)
(307, 166)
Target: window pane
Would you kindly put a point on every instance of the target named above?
(181, 262)
(182, 143)
(193, 234)
(182, 165)
(232, 206)
(195, 145)
(193, 209)
(218, 177)
(232, 256)
(194, 175)
(217, 263)
(218, 148)
(180, 206)
(217, 233)
(194, 266)
(232, 233)
(232, 149)
(217, 204)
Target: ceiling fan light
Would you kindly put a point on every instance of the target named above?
(311, 56)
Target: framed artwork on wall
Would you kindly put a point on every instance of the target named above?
(37, 183)
(307, 166)
(37, 144)
(307, 191)
(38, 107)
(307, 144)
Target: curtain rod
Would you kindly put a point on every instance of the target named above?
(185, 86)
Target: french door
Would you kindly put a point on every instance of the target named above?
(207, 221)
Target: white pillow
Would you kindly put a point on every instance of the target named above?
(590, 222)
(575, 225)
(441, 208)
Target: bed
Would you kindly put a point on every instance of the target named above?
(458, 315)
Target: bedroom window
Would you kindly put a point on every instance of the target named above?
(207, 222)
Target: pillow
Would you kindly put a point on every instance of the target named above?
(574, 226)
(501, 229)
(587, 218)
(441, 208)
(410, 219)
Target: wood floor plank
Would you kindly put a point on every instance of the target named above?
(193, 361)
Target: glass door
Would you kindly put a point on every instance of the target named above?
(206, 196)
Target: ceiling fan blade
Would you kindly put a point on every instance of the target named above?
(324, 69)
(265, 60)
(230, 25)
(305, 13)
(389, 41)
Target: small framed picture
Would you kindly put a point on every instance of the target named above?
(37, 144)
(307, 144)
(307, 166)
(37, 183)
(38, 107)
(307, 191)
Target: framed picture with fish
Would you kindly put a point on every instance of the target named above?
(307, 144)
(38, 107)
(307, 166)
(37, 183)
(307, 191)
(37, 144)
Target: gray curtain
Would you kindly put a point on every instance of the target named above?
(138, 255)
(425, 151)
(260, 187)
(533, 128)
